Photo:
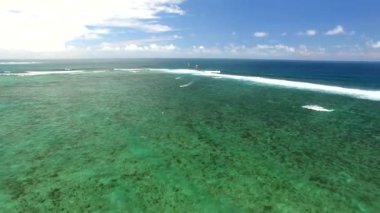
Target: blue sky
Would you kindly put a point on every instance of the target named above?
(292, 29)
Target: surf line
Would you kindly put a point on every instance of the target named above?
(373, 95)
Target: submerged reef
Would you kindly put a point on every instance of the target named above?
(116, 141)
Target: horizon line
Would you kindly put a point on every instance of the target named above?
(192, 58)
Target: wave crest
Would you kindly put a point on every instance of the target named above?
(32, 73)
(373, 95)
(317, 108)
(18, 62)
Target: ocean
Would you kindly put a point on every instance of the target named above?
(156, 135)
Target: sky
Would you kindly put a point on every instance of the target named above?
(270, 29)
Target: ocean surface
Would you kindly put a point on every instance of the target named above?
(156, 135)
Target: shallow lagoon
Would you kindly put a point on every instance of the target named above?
(119, 140)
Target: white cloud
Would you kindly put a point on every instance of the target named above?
(155, 47)
(143, 25)
(135, 47)
(311, 32)
(277, 47)
(271, 51)
(375, 44)
(308, 33)
(260, 34)
(303, 50)
(201, 50)
(46, 25)
(109, 48)
(260, 50)
(95, 34)
(336, 31)
(175, 36)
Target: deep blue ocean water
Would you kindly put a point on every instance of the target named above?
(364, 75)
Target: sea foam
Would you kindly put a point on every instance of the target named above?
(18, 62)
(129, 70)
(32, 73)
(317, 108)
(52, 72)
(373, 95)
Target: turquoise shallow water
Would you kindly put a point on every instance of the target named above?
(107, 142)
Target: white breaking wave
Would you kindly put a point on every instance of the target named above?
(52, 72)
(317, 108)
(121, 69)
(57, 72)
(212, 71)
(130, 70)
(373, 95)
(32, 73)
(18, 62)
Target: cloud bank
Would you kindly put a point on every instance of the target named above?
(46, 25)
